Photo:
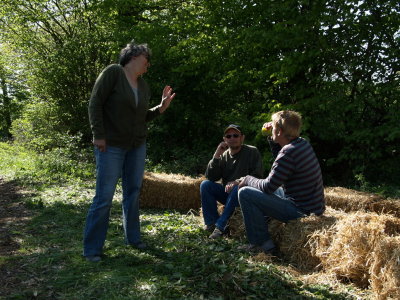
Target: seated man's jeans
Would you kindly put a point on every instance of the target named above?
(256, 205)
(211, 192)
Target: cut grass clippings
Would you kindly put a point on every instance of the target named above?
(182, 263)
(43, 259)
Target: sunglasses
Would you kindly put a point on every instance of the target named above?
(235, 135)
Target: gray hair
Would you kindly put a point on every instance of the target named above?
(133, 50)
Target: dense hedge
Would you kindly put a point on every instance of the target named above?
(236, 61)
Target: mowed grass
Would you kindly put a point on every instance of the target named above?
(181, 263)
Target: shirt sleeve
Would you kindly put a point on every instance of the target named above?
(214, 169)
(281, 170)
(102, 89)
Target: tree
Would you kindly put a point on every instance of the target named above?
(336, 62)
(13, 92)
(62, 50)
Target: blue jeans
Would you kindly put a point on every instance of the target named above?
(256, 205)
(212, 192)
(110, 166)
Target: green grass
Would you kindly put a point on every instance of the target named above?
(182, 263)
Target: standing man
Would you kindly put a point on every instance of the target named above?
(293, 188)
(231, 161)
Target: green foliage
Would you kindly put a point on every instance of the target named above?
(51, 167)
(61, 50)
(353, 110)
(35, 129)
(245, 61)
(229, 62)
(13, 91)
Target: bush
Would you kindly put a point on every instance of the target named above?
(39, 129)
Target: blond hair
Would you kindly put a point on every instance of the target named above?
(289, 121)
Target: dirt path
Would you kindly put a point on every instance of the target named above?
(13, 216)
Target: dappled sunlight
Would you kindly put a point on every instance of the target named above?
(147, 287)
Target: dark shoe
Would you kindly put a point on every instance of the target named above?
(93, 258)
(209, 228)
(140, 246)
(273, 252)
(217, 233)
(253, 249)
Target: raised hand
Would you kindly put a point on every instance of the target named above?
(166, 98)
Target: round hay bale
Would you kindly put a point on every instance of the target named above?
(385, 269)
(350, 248)
(351, 200)
(170, 191)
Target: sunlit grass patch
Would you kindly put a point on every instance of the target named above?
(51, 167)
(15, 160)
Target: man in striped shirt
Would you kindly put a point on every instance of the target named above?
(293, 188)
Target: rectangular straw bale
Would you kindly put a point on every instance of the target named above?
(338, 243)
(350, 249)
(297, 239)
(170, 191)
(294, 238)
(385, 269)
(387, 206)
(236, 225)
(351, 200)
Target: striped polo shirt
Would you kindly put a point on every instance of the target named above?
(297, 170)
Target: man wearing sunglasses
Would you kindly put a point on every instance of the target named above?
(232, 160)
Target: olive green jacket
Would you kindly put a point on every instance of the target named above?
(113, 113)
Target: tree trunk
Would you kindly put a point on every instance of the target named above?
(6, 111)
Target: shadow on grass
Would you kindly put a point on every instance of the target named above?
(181, 263)
(14, 216)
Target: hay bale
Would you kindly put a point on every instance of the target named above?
(387, 206)
(236, 224)
(385, 269)
(349, 251)
(170, 191)
(298, 238)
(295, 239)
(351, 200)
(359, 247)
(336, 243)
